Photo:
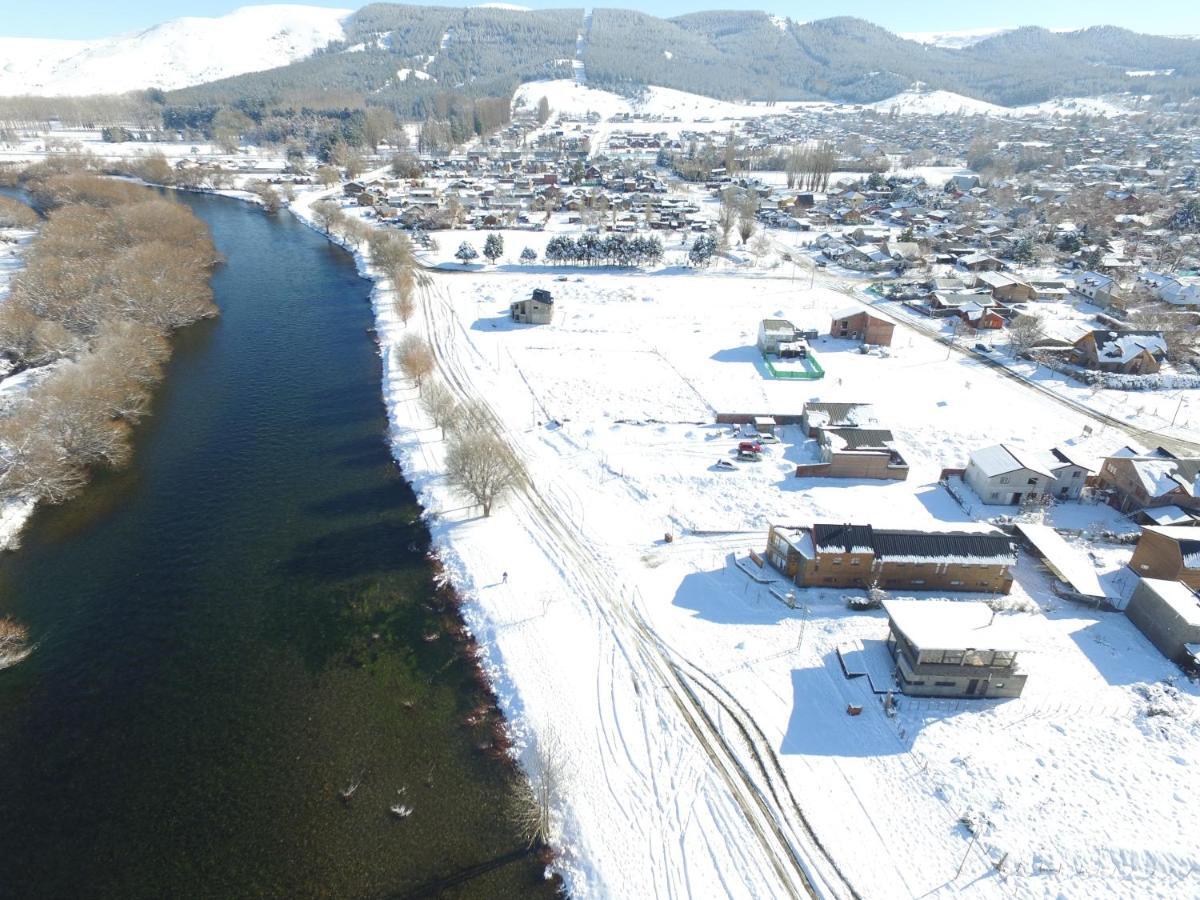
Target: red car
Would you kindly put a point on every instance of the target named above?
(750, 447)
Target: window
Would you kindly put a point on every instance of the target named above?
(944, 683)
(1032, 481)
(1004, 479)
(854, 560)
(997, 684)
(837, 560)
(1075, 474)
(995, 495)
(955, 583)
(953, 658)
(918, 581)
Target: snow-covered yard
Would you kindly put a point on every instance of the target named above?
(693, 705)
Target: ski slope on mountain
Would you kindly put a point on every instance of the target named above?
(175, 54)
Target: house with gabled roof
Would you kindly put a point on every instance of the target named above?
(1170, 552)
(1007, 476)
(1135, 482)
(1128, 352)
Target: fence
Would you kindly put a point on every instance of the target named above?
(812, 373)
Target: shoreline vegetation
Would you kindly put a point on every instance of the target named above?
(81, 181)
(114, 269)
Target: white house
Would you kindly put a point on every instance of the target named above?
(1100, 289)
(1070, 473)
(773, 332)
(1001, 475)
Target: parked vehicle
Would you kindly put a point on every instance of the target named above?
(748, 455)
(725, 465)
(750, 447)
(767, 439)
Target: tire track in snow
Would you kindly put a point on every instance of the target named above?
(646, 654)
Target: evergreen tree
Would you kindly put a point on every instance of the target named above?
(493, 247)
(465, 253)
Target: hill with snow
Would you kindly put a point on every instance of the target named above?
(175, 54)
(953, 40)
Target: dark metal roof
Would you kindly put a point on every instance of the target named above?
(847, 537)
(912, 543)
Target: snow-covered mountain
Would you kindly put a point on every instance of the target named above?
(174, 54)
(953, 40)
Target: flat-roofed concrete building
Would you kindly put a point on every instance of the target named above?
(944, 648)
(1168, 614)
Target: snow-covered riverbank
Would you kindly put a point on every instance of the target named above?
(14, 513)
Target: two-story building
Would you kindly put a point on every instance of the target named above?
(946, 648)
(1002, 475)
(860, 556)
(1136, 482)
(537, 310)
(861, 325)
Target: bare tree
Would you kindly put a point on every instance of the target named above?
(403, 282)
(416, 358)
(534, 803)
(481, 466)
(327, 215)
(747, 210)
(727, 215)
(440, 404)
(1024, 332)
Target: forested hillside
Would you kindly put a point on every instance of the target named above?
(402, 57)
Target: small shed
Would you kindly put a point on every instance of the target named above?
(765, 424)
(537, 310)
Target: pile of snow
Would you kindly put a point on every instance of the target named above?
(175, 54)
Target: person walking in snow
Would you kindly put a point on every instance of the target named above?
(504, 578)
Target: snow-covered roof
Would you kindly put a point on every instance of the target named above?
(1123, 346)
(1177, 595)
(1000, 460)
(951, 625)
(1167, 515)
(1070, 564)
(1158, 476)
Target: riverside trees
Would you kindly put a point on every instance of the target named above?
(113, 271)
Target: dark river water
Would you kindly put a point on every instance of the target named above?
(241, 623)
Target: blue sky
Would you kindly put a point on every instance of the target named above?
(88, 18)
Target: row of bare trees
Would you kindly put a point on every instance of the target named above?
(479, 464)
(114, 269)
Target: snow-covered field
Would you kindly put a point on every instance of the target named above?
(174, 54)
(693, 707)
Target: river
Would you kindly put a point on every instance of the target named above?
(241, 623)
